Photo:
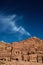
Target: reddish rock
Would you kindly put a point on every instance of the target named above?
(30, 50)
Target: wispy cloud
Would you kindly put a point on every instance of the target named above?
(8, 23)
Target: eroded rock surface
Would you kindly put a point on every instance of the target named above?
(30, 50)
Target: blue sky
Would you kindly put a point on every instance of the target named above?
(9, 30)
(20, 20)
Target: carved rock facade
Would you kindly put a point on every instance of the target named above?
(30, 50)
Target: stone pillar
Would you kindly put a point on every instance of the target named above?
(26, 58)
(33, 57)
(39, 58)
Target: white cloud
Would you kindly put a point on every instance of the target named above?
(7, 23)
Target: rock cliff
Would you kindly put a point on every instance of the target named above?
(30, 50)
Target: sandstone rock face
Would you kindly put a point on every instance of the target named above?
(30, 50)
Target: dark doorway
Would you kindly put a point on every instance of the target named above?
(28, 53)
(16, 59)
(22, 57)
(37, 58)
(42, 59)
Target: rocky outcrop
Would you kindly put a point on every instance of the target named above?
(30, 50)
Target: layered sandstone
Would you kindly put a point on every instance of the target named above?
(30, 50)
